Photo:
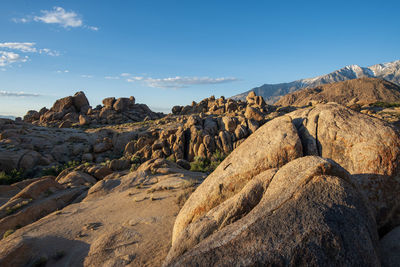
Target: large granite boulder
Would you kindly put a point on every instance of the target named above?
(306, 213)
(80, 101)
(365, 146)
(63, 104)
(366, 196)
(274, 145)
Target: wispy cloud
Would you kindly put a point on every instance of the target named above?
(18, 94)
(58, 15)
(28, 47)
(23, 47)
(62, 71)
(93, 28)
(111, 77)
(178, 82)
(86, 76)
(8, 58)
(20, 20)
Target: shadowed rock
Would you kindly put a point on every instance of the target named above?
(309, 214)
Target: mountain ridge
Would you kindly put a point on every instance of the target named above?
(389, 71)
(362, 91)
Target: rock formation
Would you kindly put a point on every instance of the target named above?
(255, 187)
(298, 186)
(306, 213)
(75, 109)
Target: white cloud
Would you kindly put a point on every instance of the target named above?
(21, 20)
(125, 74)
(17, 94)
(62, 71)
(23, 47)
(59, 16)
(28, 47)
(179, 82)
(8, 58)
(135, 79)
(93, 28)
(49, 52)
(111, 77)
(86, 76)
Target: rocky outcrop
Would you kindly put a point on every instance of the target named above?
(365, 146)
(238, 168)
(35, 201)
(230, 213)
(76, 178)
(125, 220)
(306, 213)
(222, 106)
(201, 135)
(75, 110)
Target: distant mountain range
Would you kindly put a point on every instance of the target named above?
(361, 91)
(273, 92)
(7, 117)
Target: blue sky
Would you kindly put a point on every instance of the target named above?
(169, 52)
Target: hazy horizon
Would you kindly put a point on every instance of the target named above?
(171, 53)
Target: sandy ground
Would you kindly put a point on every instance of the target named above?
(132, 227)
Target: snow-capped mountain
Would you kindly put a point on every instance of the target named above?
(272, 92)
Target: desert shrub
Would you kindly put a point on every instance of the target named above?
(200, 164)
(171, 158)
(385, 104)
(53, 170)
(14, 176)
(136, 159)
(207, 165)
(134, 167)
(8, 232)
(57, 169)
(17, 207)
(105, 163)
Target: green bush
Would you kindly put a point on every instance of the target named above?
(207, 165)
(8, 232)
(200, 165)
(218, 156)
(14, 176)
(57, 169)
(134, 167)
(171, 158)
(17, 207)
(385, 104)
(136, 159)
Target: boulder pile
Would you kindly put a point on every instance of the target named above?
(212, 125)
(75, 110)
